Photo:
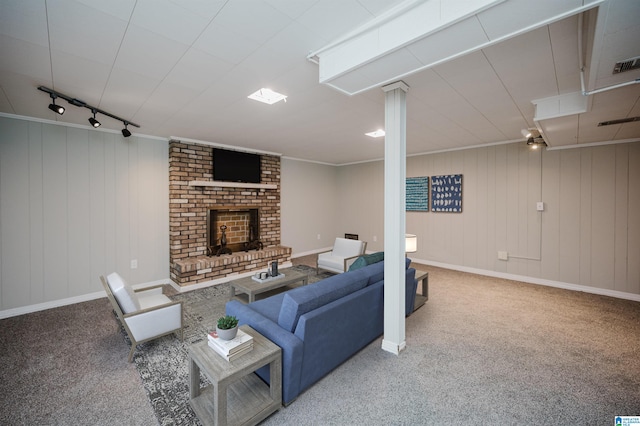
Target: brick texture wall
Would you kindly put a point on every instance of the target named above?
(189, 206)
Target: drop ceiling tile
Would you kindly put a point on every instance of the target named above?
(169, 19)
(26, 58)
(292, 8)
(83, 31)
(126, 92)
(24, 20)
(226, 44)
(260, 25)
(324, 21)
(198, 70)
(149, 54)
(120, 9)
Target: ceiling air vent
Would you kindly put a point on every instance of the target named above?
(627, 65)
(619, 121)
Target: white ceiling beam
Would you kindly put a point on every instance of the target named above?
(414, 34)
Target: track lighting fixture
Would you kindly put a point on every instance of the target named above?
(534, 138)
(125, 132)
(93, 121)
(77, 102)
(58, 109)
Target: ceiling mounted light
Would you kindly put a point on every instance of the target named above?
(267, 96)
(93, 121)
(82, 104)
(125, 132)
(58, 109)
(376, 134)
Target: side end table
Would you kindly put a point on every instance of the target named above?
(422, 276)
(236, 395)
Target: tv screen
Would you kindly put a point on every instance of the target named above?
(236, 166)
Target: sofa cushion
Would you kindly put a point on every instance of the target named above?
(367, 259)
(123, 292)
(304, 299)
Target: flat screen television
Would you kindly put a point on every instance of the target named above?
(236, 166)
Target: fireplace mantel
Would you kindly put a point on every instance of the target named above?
(222, 184)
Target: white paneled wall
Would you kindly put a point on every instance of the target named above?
(75, 204)
(588, 235)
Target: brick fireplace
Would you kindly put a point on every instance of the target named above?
(196, 202)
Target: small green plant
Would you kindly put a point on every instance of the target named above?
(227, 322)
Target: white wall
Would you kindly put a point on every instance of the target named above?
(309, 206)
(588, 235)
(75, 204)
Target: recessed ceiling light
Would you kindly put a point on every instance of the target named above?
(377, 134)
(267, 96)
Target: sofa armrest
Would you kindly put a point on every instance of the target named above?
(292, 347)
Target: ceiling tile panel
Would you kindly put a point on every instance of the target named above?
(24, 20)
(325, 21)
(260, 25)
(80, 30)
(226, 44)
(146, 53)
(170, 20)
(198, 70)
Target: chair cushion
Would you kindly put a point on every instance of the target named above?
(344, 247)
(123, 292)
(301, 300)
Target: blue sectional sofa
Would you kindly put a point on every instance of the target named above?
(321, 325)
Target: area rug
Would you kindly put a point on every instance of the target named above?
(162, 363)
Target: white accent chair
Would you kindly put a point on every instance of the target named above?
(343, 254)
(145, 313)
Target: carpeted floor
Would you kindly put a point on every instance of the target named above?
(481, 351)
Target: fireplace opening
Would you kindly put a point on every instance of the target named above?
(233, 229)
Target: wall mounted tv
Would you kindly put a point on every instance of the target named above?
(236, 166)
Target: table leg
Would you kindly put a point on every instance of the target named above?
(194, 379)
(233, 292)
(220, 404)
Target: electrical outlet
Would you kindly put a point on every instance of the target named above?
(318, 236)
(540, 206)
(375, 238)
(134, 264)
(503, 255)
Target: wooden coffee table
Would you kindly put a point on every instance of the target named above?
(251, 287)
(236, 395)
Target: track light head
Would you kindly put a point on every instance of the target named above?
(95, 123)
(53, 107)
(125, 132)
(58, 109)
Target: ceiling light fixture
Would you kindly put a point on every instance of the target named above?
(125, 132)
(93, 121)
(81, 104)
(58, 109)
(376, 134)
(534, 138)
(267, 96)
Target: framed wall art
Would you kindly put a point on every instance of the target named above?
(446, 193)
(417, 194)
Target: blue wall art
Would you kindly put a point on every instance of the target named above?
(446, 193)
(418, 194)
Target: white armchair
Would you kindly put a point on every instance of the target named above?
(145, 313)
(343, 254)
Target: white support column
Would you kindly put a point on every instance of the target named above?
(395, 171)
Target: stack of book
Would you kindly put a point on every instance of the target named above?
(231, 349)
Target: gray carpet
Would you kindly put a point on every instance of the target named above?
(481, 351)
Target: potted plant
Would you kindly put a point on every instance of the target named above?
(227, 327)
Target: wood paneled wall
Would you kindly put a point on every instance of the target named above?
(76, 204)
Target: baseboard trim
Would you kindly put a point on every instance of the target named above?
(533, 280)
(14, 312)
